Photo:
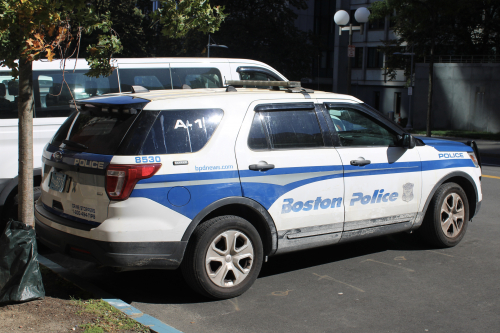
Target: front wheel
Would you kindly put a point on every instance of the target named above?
(447, 217)
(223, 258)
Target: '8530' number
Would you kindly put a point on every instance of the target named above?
(147, 159)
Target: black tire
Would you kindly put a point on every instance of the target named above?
(195, 269)
(432, 229)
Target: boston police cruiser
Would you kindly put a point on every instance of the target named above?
(216, 180)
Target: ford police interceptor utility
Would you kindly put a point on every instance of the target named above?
(216, 180)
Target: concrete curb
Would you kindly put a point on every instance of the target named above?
(154, 324)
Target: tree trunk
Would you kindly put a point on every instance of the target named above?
(25, 106)
(429, 96)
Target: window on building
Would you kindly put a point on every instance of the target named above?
(397, 103)
(352, 18)
(392, 20)
(376, 24)
(357, 62)
(376, 100)
(375, 58)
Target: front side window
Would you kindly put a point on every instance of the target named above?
(285, 130)
(181, 131)
(257, 76)
(355, 128)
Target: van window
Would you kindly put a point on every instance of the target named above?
(258, 76)
(181, 131)
(53, 91)
(196, 77)
(9, 90)
(149, 78)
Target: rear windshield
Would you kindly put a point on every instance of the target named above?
(91, 132)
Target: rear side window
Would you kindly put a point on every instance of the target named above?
(181, 131)
(196, 77)
(285, 130)
(150, 78)
(91, 132)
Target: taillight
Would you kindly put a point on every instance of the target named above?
(121, 178)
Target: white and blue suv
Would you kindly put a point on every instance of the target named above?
(216, 180)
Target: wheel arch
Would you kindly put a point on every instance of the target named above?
(10, 190)
(468, 185)
(245, 208)
(12, 185)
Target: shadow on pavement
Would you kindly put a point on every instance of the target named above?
(169, 287)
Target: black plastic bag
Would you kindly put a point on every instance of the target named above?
(20, 277)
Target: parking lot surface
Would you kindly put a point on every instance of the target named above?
(387, 284)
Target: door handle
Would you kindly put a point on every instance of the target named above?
(360, 162)
(261, 166)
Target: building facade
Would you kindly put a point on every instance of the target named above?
(329, 72)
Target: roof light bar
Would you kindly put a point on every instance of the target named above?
(286, 84)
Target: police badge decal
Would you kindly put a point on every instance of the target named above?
(407, 192)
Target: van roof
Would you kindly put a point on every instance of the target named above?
(242, 93)
(82, 63)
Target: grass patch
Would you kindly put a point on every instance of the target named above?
(109, 319)
(463, 134)
(99, 315)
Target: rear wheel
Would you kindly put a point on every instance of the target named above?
(447, 217)
(223, 258)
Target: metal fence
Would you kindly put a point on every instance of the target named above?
(464, 59)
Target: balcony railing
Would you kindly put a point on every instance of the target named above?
(464, 59)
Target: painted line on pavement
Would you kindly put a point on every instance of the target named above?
(154, 324)
(491, 176)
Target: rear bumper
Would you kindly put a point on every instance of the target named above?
(143, 255)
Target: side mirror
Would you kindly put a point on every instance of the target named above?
(408, 141)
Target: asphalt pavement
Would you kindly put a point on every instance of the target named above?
(388, 284)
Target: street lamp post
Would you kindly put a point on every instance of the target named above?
(409, 124)
(210, 39)
(341, 19)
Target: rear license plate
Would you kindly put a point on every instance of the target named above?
(57, 181)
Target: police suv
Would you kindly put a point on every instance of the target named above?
(216, 180)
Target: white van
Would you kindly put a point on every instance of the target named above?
(52, 98)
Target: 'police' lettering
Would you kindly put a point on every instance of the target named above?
(377, 197)
(451, 155)
(89, 164)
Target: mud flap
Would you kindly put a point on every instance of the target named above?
(20, 277)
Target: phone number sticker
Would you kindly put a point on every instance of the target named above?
(85, 212)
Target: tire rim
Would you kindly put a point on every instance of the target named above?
(229, 258)
(452, 215)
